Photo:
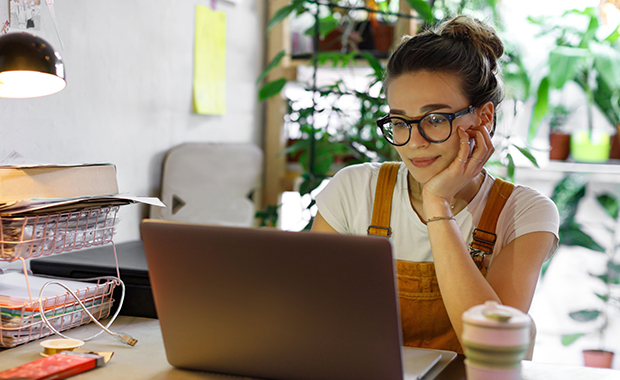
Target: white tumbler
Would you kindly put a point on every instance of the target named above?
(496, 339)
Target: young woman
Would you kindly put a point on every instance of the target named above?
(443, 90)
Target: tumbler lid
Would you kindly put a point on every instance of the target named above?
(492, 314)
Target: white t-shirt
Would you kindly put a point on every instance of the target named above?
(346, 205)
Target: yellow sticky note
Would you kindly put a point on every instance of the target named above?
(210, 62)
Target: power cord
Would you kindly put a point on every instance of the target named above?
(124, 338)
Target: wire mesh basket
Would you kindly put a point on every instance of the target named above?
(43, 235)
(23, 323)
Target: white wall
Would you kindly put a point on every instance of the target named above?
(128, 99)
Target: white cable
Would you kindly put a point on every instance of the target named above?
(121, 336)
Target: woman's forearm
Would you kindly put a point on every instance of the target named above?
(461, 283)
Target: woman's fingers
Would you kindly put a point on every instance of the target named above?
(465, 147)
(483, 148)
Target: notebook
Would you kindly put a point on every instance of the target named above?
(266, 303)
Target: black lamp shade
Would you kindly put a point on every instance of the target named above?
(29, 67)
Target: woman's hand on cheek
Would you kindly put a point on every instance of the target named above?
(465, 167)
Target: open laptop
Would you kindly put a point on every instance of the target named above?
(272, 304)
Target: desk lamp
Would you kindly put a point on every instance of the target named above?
(29, 67)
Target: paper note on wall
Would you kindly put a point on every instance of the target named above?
(210, 62)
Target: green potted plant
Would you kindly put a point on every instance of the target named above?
(327, 134)
(582, 56)
(567, 195)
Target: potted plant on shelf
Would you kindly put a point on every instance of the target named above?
(337, 126)
(567, 195)
(559, 137)
(582, 56)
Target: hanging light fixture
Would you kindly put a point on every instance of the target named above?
(29, 67)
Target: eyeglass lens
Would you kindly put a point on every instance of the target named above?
(434, 128)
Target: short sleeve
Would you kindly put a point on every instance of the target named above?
(346, 195)
(530, 212)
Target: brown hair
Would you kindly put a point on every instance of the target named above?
(462, 46)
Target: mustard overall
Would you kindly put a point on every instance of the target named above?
(424, 319)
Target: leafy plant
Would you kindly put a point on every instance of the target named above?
(557, 118)
(330, 133)
(582, 56)
(567, 196)
(268, 217)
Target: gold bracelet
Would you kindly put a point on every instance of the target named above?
(437, 218)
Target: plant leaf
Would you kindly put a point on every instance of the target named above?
(585, 315)
(613, 36)
(603, 297)
(573, 236)
(590, 33)
(323, 160)
(374, 63)
(274, 62)
(608, 279)
(268, 216)
(569, 339)
(308, 184)
(326, 25)
(294, 147)
(510, 167)
(283, 13)
(423, 9)
(567, 195)
(545, 266)
(271, 89)
(607, 63)
(540, 108)
(526, 152)
(563, 64)
(610, 204)
(613, 267)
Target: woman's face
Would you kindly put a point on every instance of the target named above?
(416, 94)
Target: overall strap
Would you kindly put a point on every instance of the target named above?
(382, 207)
(484, 235)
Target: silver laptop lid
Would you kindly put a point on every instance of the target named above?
(275, 304)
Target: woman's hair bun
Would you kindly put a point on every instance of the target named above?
(483, 37)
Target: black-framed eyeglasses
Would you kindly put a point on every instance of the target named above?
(434, 127)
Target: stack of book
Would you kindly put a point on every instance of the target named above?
(48, 209)
(44, 189)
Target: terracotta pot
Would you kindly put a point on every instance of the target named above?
(560, 146)
(293, 157)
(614, 151)
(384, 36)
(332, 41)
(598, 358)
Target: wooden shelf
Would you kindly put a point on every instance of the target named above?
(553, 171)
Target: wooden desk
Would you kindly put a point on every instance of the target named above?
(147, 360)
